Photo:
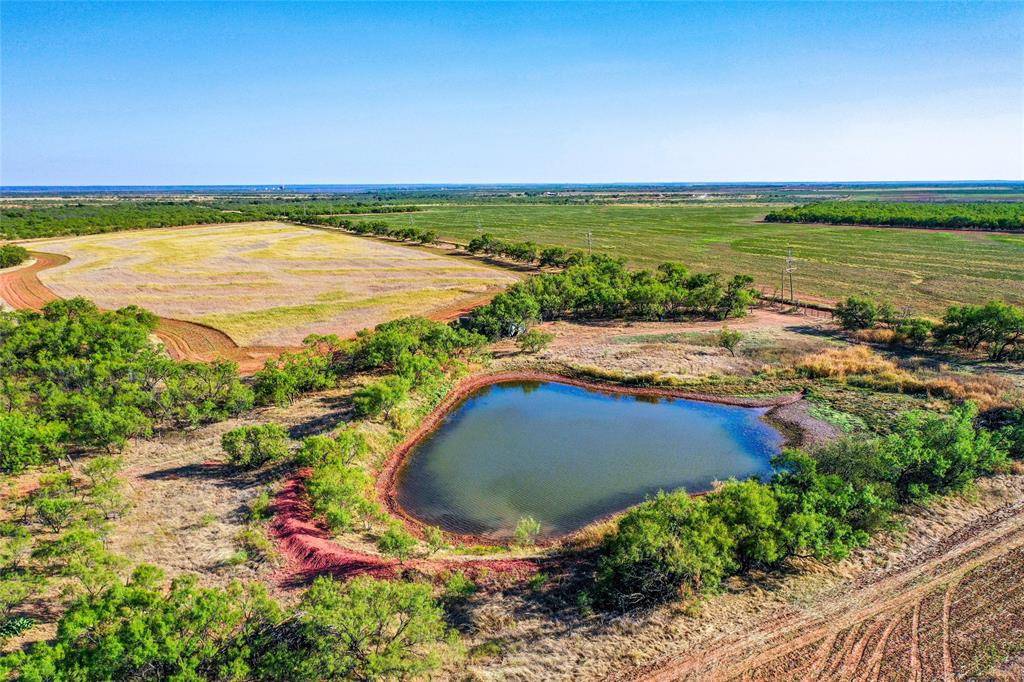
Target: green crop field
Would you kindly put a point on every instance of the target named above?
(927, 270)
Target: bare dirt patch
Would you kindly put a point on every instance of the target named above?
(682, 350)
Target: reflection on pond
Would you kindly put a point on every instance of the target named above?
(568, 456)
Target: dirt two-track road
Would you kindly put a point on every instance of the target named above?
(954, 610)
(21, 288)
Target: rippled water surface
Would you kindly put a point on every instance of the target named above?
(568, 456)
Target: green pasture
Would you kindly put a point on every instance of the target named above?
(927, 270)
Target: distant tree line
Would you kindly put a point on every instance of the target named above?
(966, 216)
(92, 218)
(378, 228)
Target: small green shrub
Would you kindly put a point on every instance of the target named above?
(338, 493)
(729, 339)
(665, 547)
(252, 446)
(857, 313)
(458, 586)
(257, 546)
(396, 542)
(381, 397)
(347, 447)
(435, 539)
(12, 627)
(527, 530)
(262, 507)
(534, 341)
(537, 581)
(56, 502)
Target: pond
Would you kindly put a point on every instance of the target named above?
(568, 456)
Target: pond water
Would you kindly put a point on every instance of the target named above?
(568, 456)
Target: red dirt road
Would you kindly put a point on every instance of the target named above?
(22, 289)
(945, 613)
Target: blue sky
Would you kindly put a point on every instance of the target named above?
(299, 93)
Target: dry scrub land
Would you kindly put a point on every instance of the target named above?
(265, 283)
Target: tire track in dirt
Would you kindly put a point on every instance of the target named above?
(874, 663)
(184, 340)
(981, 561)
(947, 657)
(21, 287)
(915, 644)
(23, 290)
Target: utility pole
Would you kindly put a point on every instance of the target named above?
(790, 268)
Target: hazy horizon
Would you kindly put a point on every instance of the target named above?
(311, 93)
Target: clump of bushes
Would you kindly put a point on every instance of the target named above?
(73, 377)
(250, 447)
(396, 542)
(339, 493)
(12, 254)
(996, 328)
(284, 378)
(858, 313)
(365, 629)
(664, 547)
(602, 288)
(338, 486)
(381, 397)
(822, 506)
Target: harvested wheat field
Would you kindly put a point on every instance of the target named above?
(265, 283)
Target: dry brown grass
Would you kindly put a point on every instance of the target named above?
(265, 283)
(875, 335)
(840, 363)
(859, 365)
(675, 350)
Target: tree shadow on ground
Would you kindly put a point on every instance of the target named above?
(332, 411)
(223, 474)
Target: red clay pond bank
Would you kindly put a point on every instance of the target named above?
(310, 550)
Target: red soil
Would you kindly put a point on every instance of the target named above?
(184, 340)
(21, 287)
(310, 551)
